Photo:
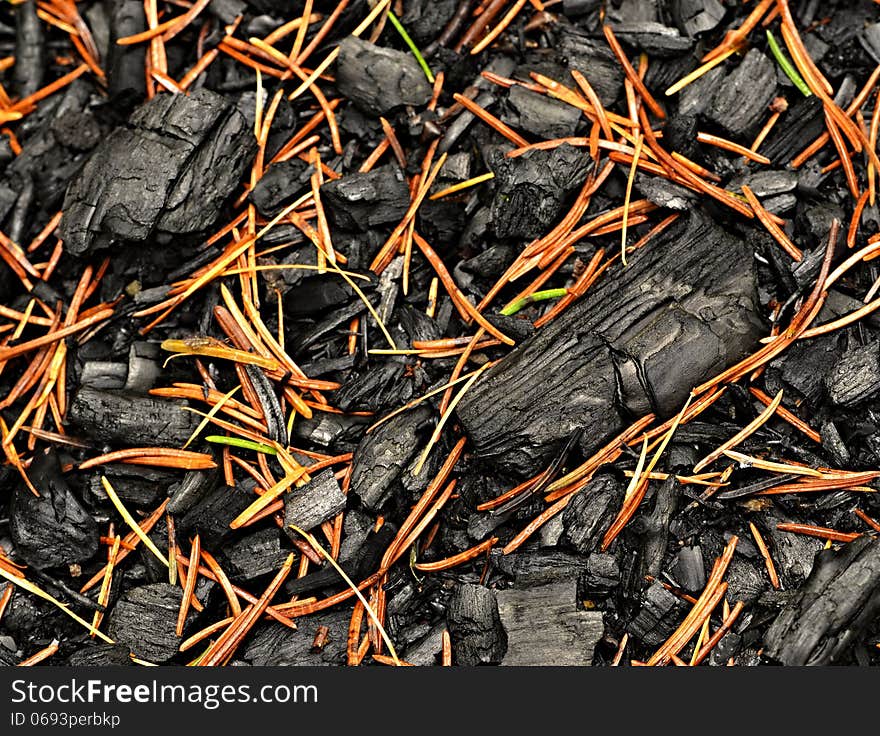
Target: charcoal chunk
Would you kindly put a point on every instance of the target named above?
(657, 618)
(278, 646)
(282, 183)
(474, 625)
(153, 174)
(590, 513)
(379, 79)
(803, 122)
(541, 115)
(837, 602)
(689, 569)
(680, 312)
(595, 61)
(742, 98)
(544, 627)
(314, 503)
(361, 201)
(384, 453)
(856, 376)
(144, 620)
(531, 189)
(697, 16)
(125, 65)
(101, 655)
(253, 555)
(53, 528)
(127, 418)
(209, 517)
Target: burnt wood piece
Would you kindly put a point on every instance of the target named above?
(742, 98)
(384, 454)
(144, 620)
(856, 376)
(275, 645)
(474, 626)
(359, 557)
(168, 171)
(101, 655)
(130, 419)
(589, 514)
(379, 79)
(682, 310)
(363, 200)
(544, 627)
(53, 528)
(655, 526)
(282, 183)
(125, 64)
(211, 514)
(839, 599)
(317, 501)
(540, 115)
(255, 554)
(531, 190)
(30, 54)
(660, 613)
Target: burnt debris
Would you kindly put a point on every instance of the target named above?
(555, 330)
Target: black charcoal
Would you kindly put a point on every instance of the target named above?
(541, 115)
(530, 190)
(544, 627)
(131, 419)
(627, 336)
(379, 79)
(475, 627)
(856, 376)
(590, 513)
(837, 602)
(144, 620)
(361, 201)
(53, 528)
(152, 176)
(317, 501)
(741, 100)
(384, 453)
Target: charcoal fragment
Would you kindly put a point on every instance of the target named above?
(541, 115)
(544, 627)
(531, 189)
(144, 620)
(130, 419)
(361, 201)
(742, 98)
(379, 79)
(317, 501)
(590, 513)
(475, 627)
(856, 376)
(152, 175)
(384, 453)
(581, 363)
(838, 600)
(53, 528)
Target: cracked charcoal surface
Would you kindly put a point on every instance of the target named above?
(53, 528)
(131, 419)
(680, 313)
(162, 184)
(379, 79)
(151, 175)
(838, 600)
(144, 620)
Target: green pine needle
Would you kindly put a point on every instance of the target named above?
(244, 444)
(538, 296)
(792, 73)
(412, 46)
